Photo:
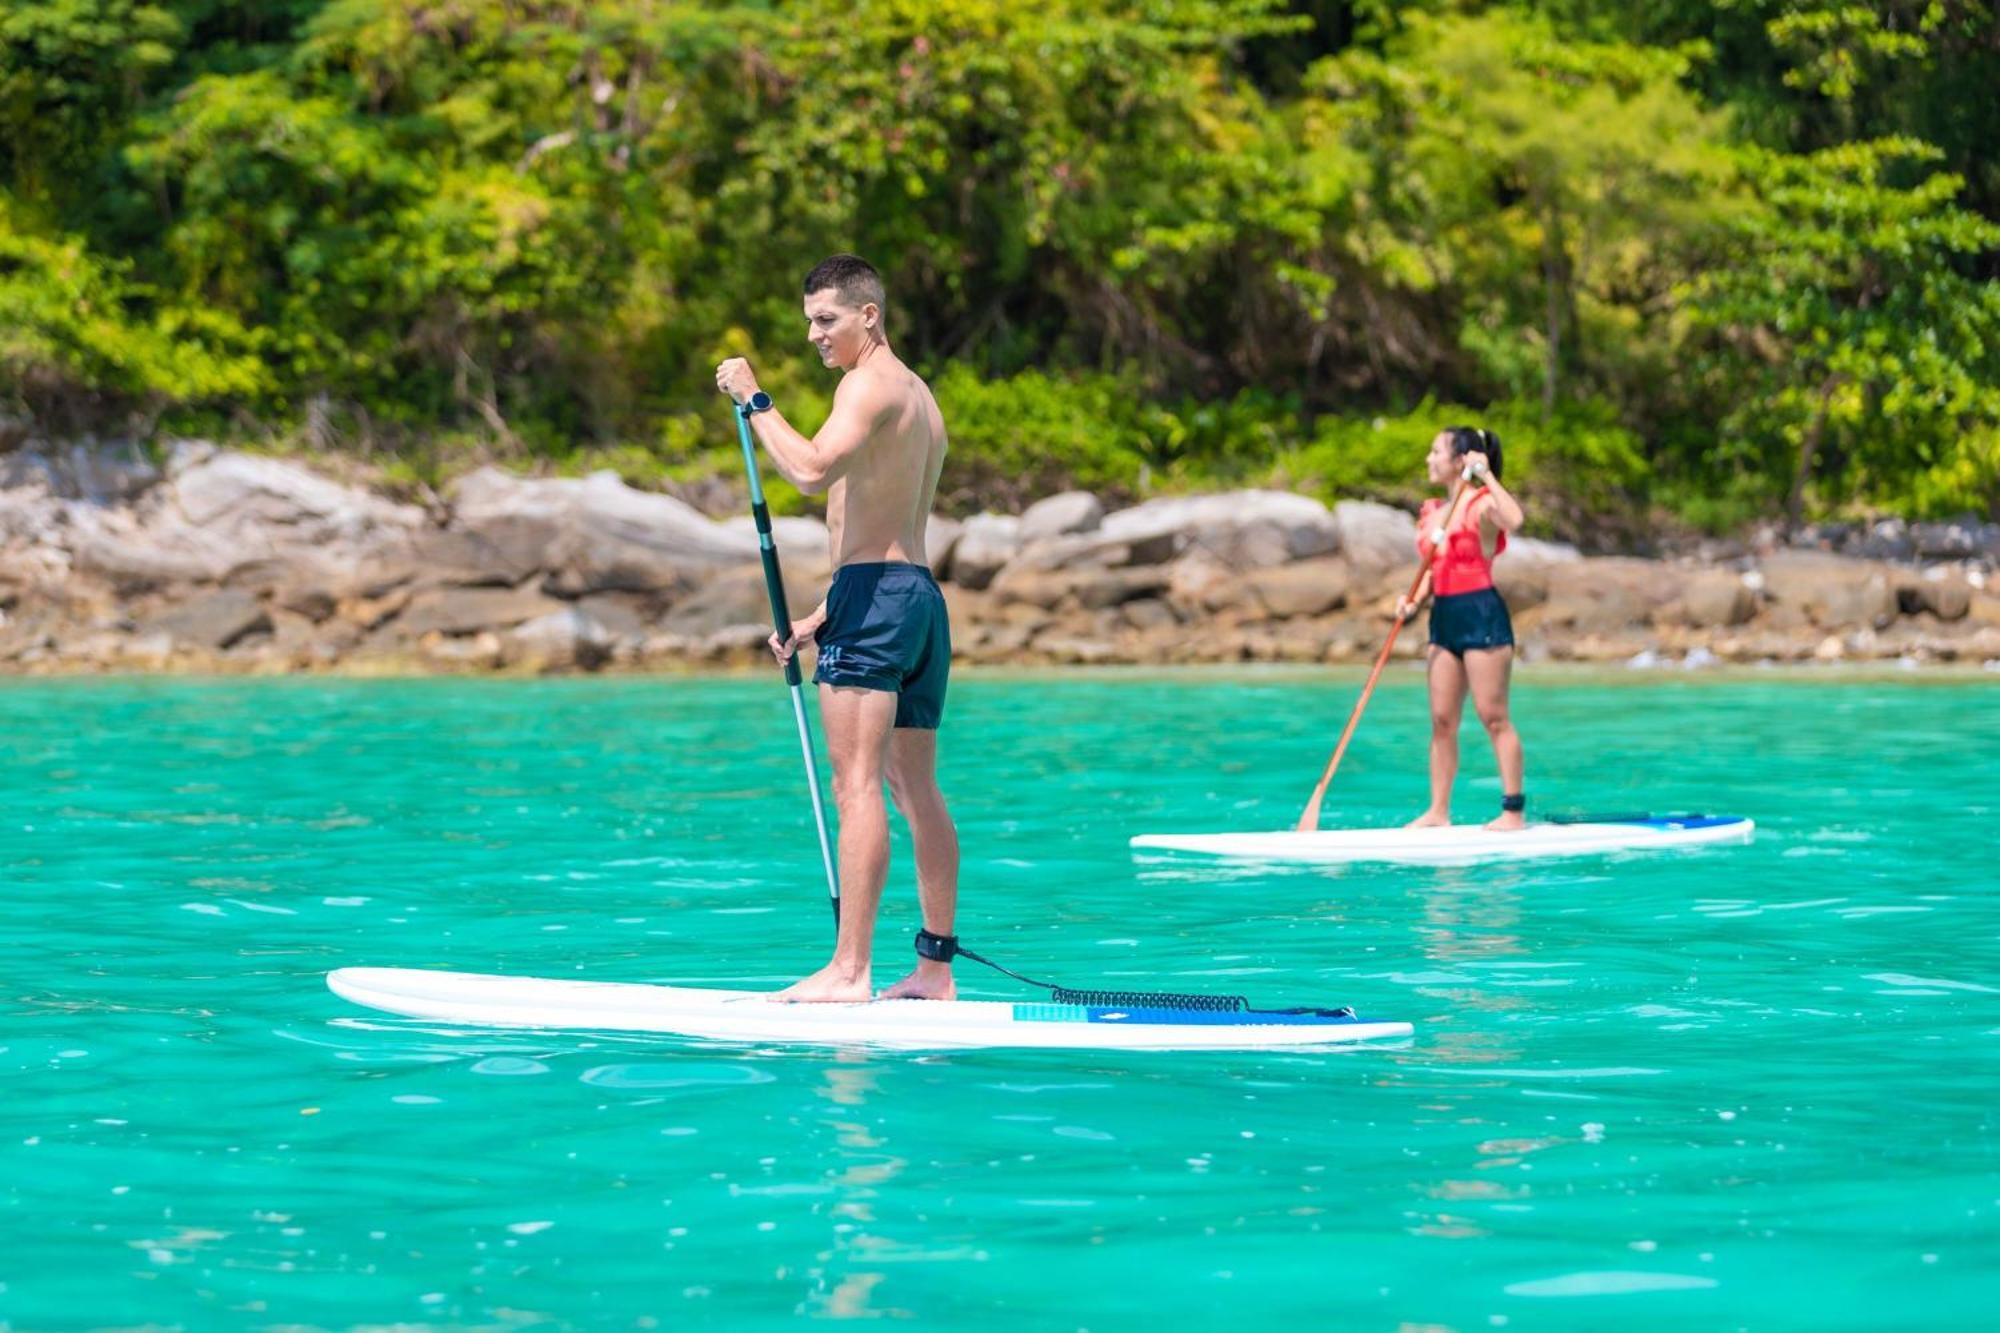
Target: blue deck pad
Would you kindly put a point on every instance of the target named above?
(1076, 1013)
(1687, 821)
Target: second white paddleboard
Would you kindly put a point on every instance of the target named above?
(1458, 844)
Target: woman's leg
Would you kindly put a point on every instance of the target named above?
(1447, 684)
(1489, 671)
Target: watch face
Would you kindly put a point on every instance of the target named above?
(760, 401)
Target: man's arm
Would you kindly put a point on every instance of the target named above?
(816, 463)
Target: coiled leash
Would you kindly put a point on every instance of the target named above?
(943, 948)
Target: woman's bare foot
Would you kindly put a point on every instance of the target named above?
(836, 983)
(930, 981)
(1508, 822)
(1431, 819)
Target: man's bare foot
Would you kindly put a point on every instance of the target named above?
(1508, 822)
(930, 981)
(1431, 819)
(833, 984)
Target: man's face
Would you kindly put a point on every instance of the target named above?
(839, 331)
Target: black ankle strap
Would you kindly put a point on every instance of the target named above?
(1514, 804)
(937, 948)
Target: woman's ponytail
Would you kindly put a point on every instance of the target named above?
(1476, 439)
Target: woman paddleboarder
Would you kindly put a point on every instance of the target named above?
(1472, 638)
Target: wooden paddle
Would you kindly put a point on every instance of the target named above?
(1310, 819)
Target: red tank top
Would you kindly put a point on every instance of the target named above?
(1459, 563)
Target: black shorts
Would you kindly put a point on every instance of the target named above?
(1469, 621)
(886, 629)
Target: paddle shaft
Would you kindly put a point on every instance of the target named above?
(1310, 819)
(781, 620)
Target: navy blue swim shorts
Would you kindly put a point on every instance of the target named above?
(886, 629)
(1469, 621)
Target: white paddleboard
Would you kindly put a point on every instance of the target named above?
(1459, 844)
(751, 1016)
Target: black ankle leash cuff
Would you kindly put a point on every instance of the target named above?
(937, 948)
(1514, 804)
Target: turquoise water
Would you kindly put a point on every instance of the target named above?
(1750, 1087)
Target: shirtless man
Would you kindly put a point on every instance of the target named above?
(884, 641)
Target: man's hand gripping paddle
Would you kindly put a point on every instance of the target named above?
(1309, 821)
(781, 620)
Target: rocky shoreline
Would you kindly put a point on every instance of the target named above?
(218, 561)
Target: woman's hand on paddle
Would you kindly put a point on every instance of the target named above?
(1410, 602)
(802, 634)
(1477, 468)
(735, 378)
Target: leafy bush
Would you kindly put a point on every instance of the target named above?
(79, 339)
(1581, 475)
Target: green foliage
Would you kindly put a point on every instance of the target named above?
(1832, 47)
(1018, 438)
(69, 74)
(75, 331)
(1685, 252)
(1554, 189)
(1579, 473)
(1024, 436)
(1965, 476)
(1800, 75)
(1867, 347)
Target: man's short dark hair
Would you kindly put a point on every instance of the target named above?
(851, 278)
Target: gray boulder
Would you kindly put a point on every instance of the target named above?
(215, 621)
(1061, 515)
(1091, 587)
(270, 503)
(1961, 539)
(985, 545)
(623, 615)
(736, 600)
(561, 639)
(501, 550)
(1947, 596)
(1717, 599)
(112, 544)
(1533, 550)
(797, 537)
(594, 562)
(603, 505)
(1243, 529)
(95, 473)
(468, 610)
(599, 535)
(1830, 591)
(1375, 534)
(1076, 549)
(1603, 596)
(1309, 588)
(941, 536)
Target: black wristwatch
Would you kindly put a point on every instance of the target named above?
(759, 402)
